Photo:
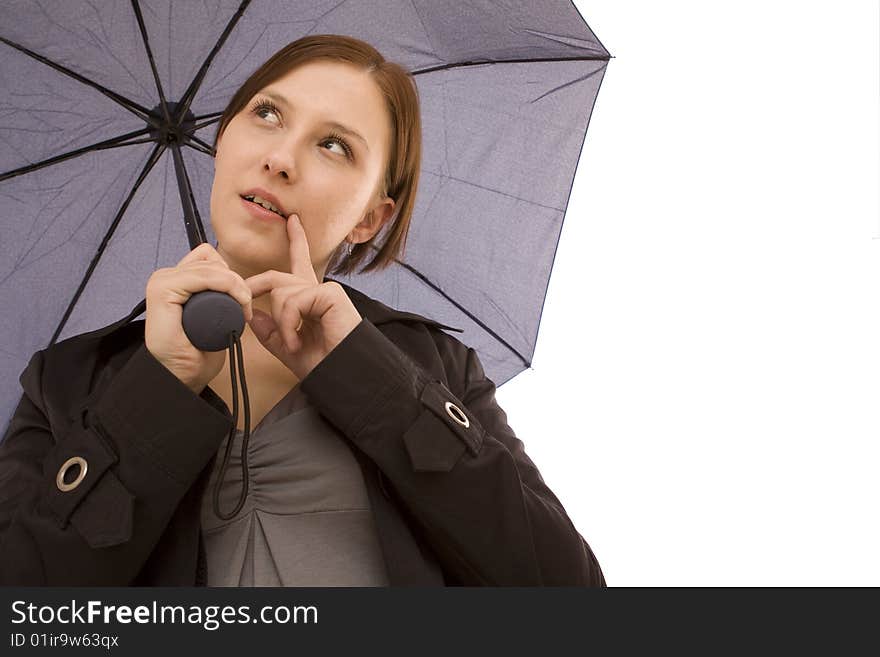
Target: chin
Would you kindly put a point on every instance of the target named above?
(243, 248)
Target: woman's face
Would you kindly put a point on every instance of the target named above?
(331, 183)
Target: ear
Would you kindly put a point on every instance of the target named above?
(372, 223)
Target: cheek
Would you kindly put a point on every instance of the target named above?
(338, 221)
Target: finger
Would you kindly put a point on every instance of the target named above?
(260, 284)
(272, 336)
(264, 327)
(207, 276)
(267, 281)
(291, 318)
(282, 299)
(308, 304)
(209, 264)
(300, 256)
(203, 252)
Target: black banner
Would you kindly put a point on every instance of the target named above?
(462, 621)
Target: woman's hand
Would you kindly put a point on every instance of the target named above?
(171, 287)
(322, 312)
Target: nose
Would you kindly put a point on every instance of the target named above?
(277, 161)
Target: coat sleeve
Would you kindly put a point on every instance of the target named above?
(144, 440)
(453, 462)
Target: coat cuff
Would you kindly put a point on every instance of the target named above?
(150, 408)
(383, 372)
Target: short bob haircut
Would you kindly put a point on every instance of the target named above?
(402, 100)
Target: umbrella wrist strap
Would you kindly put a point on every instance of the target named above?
(235, 360)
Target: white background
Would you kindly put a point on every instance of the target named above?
(705, 393)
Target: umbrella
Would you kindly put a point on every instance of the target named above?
(110, 108)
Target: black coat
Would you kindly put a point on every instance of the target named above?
(453, 504)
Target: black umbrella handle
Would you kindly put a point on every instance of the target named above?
(208, 319)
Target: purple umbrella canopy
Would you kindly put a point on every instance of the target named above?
(110, 109)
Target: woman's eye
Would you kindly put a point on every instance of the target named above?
(264, 106)
(333, 141)
(339, 141)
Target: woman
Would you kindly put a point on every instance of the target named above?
(378, 456)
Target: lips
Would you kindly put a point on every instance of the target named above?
(253, 203)
(259, 212)
(269, 196)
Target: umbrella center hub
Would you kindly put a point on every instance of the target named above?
(176, 131)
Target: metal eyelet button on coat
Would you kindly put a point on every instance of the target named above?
(456, 414)
(69, 463)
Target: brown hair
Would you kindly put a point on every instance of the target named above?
(402, 100)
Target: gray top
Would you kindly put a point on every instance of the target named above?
(306, 520)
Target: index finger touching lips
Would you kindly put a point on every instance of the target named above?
(300, 257)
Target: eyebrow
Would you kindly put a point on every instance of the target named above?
(333, 124)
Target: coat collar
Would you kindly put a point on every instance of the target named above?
(378, 313)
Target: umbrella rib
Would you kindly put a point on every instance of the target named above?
(205, 148)
(154, 157)
(199, 126)
(195, 208)
(135, 141)
(140, 20)
(133, 107)
(200, 75)
(490, 189)
(473, 318)
(568, 84)
(192, 221)
(484, 62)
(108, 143)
